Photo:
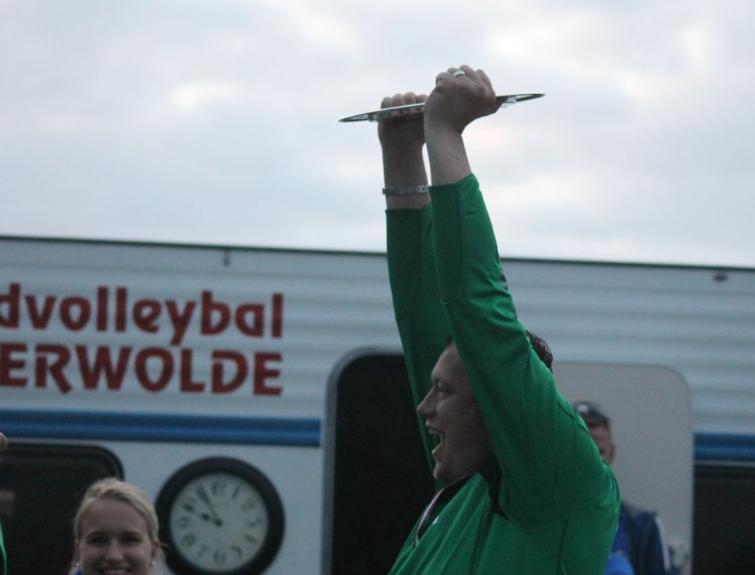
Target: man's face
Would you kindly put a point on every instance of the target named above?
(601, 435)
(450, 412)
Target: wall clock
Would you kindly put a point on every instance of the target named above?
(219, 516)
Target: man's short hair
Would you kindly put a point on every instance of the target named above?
(542, 349)
(592, 414)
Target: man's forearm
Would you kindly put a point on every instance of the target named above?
(404, 169)
(447, 155)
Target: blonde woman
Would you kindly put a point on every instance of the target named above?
(116, 531)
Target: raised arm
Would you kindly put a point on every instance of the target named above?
(411, 262)
(548, 464)
(401, 141)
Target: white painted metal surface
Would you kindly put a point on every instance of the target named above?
(698, 321)
(309, 310)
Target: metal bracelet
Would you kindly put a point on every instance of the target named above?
(406, 190)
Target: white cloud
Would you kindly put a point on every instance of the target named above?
(690, 70)
(201, 96)
(565, 37)
(318, 25)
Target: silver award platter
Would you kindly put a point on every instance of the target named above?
(413, 109)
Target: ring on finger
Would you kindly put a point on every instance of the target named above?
(459, 73)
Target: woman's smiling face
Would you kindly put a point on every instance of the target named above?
(115, 541)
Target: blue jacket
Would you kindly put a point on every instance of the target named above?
(618, 564)
(641, 538)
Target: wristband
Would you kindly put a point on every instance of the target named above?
(406, 190)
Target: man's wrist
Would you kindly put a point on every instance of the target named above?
(404, 170)
(406, 190)
(447, 155)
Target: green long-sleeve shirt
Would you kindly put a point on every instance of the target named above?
(553, 507)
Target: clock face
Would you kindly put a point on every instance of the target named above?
(219, 522)
(221, 516)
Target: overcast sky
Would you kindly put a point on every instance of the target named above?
(215, 121)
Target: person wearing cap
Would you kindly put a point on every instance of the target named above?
(3, 556)
(640, 536)
(521, 489)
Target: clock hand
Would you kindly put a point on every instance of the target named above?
(202, 493)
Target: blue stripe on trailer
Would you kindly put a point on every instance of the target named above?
(38, 424)
(724, 447)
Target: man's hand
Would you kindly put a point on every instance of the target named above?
(461, 95)
(403, 132)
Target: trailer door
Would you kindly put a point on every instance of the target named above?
(380, 481)
(41, 486)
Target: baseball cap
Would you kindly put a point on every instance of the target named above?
(591, 413)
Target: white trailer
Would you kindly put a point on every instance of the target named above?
(273, 379)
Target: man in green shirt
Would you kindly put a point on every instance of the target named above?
(522, 489)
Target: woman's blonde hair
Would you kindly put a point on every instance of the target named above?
(112, 489)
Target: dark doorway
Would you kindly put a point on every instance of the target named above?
(40, 489)
(382, 481)
(724, 534)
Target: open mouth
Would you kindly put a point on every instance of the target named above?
(114, 570)
(441, 441)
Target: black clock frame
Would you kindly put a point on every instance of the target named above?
(172, 488)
